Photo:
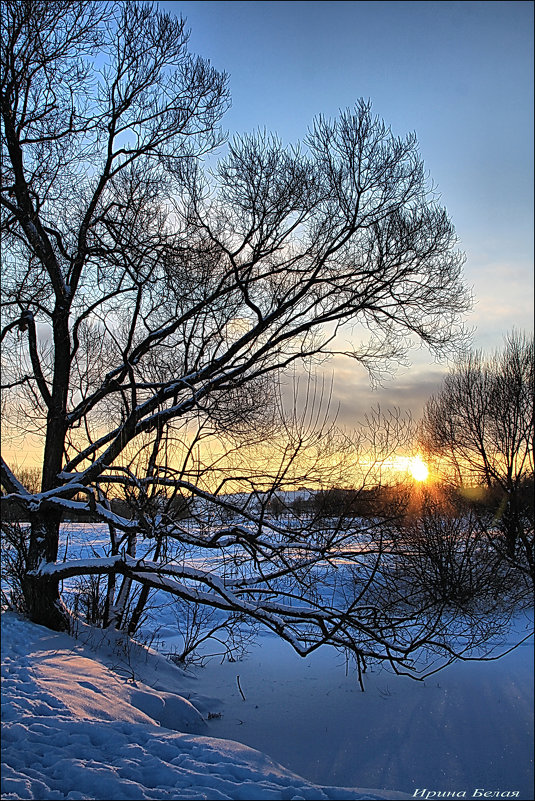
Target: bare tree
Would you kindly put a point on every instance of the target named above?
(482, 424)
(150, 307)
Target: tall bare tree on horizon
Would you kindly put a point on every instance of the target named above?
(481, 423)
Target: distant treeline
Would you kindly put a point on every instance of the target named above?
(400, 500)
(381, 501)
(177, 508)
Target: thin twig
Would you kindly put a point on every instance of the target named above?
(239, 687)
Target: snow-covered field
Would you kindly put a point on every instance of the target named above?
(468, 727)
(75, 729)
(96, 717)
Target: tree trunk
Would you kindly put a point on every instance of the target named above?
(143, 598)
(121, 605)
(109, 604)
(44, 604)
(42, 596)
(41, 593)
(510, 523)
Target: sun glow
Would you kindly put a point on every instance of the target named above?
(418, 468)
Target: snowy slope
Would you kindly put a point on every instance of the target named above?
(108, 720)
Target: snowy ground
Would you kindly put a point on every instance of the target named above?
(115, 721)
(468, 727)
(98, 718)
(73, 729)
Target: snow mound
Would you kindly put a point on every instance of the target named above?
(73, 728)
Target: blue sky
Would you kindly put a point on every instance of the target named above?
(460, 74)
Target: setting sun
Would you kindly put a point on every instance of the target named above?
(418, 468)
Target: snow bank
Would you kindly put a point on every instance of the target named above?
(103, 719)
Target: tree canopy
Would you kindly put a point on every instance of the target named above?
(151, 301)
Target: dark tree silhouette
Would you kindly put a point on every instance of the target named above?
(151, 305)
(482, 425)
